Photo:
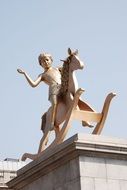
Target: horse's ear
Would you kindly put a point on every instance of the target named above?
(76, 52)
(69, 51)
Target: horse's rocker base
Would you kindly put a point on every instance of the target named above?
(81, 115)
(83, 162)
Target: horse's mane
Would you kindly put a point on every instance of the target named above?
(65, 76)
(65, 73)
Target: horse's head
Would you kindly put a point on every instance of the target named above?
(68, 81)
(74, 61)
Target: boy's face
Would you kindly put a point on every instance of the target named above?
(46, 62)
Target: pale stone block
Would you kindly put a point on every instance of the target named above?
(61, 175)
(116, 169)
(101, 184)
(74, 169)
(104, 184)
(44, 182)
(29, 187)
(59, 188)
(123, 185)
(92, 167)
(113, 185)
(73, 185)
(87, 183)
(66, 177)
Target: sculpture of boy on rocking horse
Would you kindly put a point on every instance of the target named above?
(64, 96)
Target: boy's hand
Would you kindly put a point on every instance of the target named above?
(20, 71)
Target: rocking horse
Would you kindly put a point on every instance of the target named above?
(70, 107)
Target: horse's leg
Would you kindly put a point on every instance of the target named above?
(67, 123)
(46, 131)
(57, 130)
(43, 141)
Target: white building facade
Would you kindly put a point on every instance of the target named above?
(8, 170)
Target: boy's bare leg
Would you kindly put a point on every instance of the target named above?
(53, 115)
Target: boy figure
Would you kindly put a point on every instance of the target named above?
(51, 76)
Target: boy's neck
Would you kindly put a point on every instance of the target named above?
(46, 69)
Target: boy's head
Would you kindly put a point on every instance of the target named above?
(45, 60)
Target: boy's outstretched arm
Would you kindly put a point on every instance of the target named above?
(31, 82)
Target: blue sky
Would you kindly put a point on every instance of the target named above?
(97, 28)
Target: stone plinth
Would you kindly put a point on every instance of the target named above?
(83, 162)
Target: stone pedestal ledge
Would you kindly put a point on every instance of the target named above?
(76, 146)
